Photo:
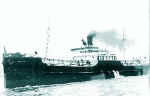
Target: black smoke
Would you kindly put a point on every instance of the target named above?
(110, 37)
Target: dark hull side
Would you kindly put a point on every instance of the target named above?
(20, 72)
(134, 70)
(31, 71)
(47, 79)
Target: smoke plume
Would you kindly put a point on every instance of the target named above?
(110, 37)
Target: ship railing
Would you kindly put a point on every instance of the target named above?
(59, 62)
(132, 62)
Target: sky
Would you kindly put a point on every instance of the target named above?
(24, 23)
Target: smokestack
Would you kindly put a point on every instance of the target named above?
(90, 38)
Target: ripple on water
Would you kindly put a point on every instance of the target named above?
(127, 86)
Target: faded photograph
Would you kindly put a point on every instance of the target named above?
(74, 48)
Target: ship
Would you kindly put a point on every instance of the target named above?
(88, 63)
(21, 70)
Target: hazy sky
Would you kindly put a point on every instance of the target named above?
(23, 24)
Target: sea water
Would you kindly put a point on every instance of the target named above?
(123, 86)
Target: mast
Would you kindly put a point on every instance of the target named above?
(123, 41)
(47, 41)
(5, 52)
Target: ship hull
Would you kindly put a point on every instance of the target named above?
(24, 71)
(134, 70)
(21, 72)
(47, 79)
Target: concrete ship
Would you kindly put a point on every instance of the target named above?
(91, 62)
(21, 70)
(32, 70)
